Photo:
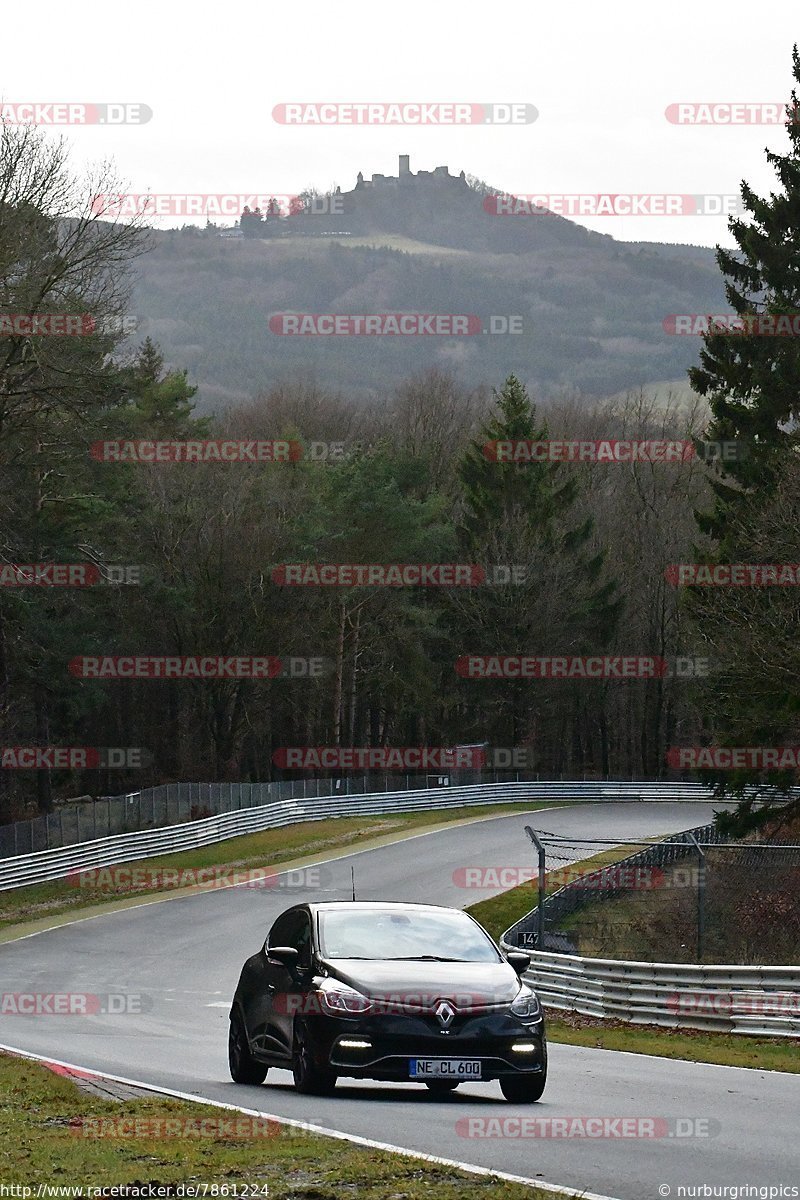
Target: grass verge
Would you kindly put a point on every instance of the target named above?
(692, 1045)
(43, 1142)
(48, 904)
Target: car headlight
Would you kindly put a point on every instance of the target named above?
(340, 1000)
(526, 1004)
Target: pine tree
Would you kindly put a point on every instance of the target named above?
(149, 365)
(752, 381)
(497, 492)
(519, 514)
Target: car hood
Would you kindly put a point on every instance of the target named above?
(423, 985)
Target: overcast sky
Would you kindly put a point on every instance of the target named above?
(600, 76)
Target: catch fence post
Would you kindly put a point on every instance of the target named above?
(701, 897)
(540, 910)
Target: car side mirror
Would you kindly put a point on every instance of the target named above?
(519, 960)
(287, 955)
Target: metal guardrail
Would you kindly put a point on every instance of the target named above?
(177, 803)
(732, 999)
(44, 865)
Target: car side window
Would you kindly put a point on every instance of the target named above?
(303, 942)
(293, 929)
(280, 933)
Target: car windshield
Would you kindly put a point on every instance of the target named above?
(386, 933)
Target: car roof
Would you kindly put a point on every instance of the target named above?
(370, 905)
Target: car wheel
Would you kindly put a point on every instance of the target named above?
(523, 1089)
(440, 1087)
(243, 1067)
(309, 1078)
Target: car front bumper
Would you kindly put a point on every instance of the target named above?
(504, 1045)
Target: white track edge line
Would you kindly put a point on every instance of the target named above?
(355, 1138)
(665, 1058)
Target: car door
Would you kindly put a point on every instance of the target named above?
(273, 989)
(264, 978)
(291, 987)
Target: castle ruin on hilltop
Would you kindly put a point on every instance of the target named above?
(406, 178)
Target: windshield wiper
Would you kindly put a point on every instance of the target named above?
(425, 958)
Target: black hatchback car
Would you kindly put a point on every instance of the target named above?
(389, 991)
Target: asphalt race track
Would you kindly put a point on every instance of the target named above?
(184, 955)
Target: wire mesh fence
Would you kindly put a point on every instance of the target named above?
(176, 803)
(697, 897)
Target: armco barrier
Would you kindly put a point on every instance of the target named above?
(730, 999)
(44, 865)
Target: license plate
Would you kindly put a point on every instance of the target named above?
(445, 1068)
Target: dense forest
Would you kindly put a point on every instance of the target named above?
(405, 483)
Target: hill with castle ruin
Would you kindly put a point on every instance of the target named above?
(582, 311)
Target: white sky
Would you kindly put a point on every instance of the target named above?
(600, 75)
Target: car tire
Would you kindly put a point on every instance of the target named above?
(523, 1089)
(243, 1067)
(309, 1078)
(440, 1087)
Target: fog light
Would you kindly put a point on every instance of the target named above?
(523, 1048)
(354, 1044)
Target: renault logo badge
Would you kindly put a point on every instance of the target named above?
(445, 1014)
